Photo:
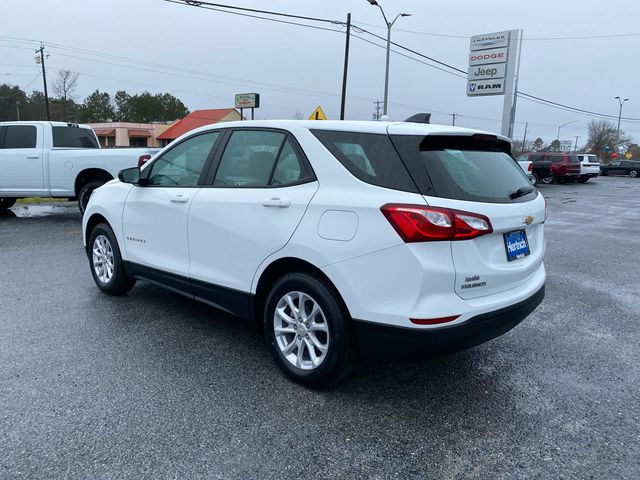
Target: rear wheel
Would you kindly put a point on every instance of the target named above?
(583, 179)
(633, 173)
(85, 193)
(547, 179)
(6, 202)
(536, 179)
(106, 263)
(307, 329)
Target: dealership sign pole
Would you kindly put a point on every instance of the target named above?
(493, 70)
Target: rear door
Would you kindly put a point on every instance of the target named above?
(476, 174)
(21, 160)
(260, 186)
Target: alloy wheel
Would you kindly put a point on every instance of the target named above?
(301, 330)
(103, 259)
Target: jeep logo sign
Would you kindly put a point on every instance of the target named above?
(485, 72)
(485, 87)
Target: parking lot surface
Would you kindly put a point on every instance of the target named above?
(153, 385)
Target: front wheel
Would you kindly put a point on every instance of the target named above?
(106, 263)
(6, 202)
(85, 193)
(633, 173)
(307, 329)
(547, 179)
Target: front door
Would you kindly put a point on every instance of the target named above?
(21, 161)
(262, 186)
(154, 221)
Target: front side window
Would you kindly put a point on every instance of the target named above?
(182, 165)
(20, 136)
(258, 159)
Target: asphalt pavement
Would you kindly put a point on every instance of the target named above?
(153, 385)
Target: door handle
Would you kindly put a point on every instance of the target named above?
(33, 157)
(179, 199)
(276, 202)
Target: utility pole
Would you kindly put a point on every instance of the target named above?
(346, 67)
(44, 79)
(575, 149)
(453, 119)
(376, 115)
(524, 140)
(18, 109)
(622, 102)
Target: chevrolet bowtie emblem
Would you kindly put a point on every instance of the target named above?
(528, 220)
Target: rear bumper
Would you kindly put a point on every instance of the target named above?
(397, 343)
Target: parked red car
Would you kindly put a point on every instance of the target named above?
(561, 167)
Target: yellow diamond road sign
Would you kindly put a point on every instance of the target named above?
(628, 155)
(318, 114)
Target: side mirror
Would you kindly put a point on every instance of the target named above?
(130, 175)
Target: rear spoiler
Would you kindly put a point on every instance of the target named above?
(419, 118)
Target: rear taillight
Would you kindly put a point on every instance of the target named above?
(530, 167)
(143, 159)
(416, 223)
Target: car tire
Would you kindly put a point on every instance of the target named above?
(536, 179)
(85, 194)
(633, 173)
(292, 346)
(106, 262)
(547, 180)
(7, 202)
(583, 180)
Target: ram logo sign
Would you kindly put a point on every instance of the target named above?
(485, 87)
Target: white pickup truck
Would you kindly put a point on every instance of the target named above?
(56, 159)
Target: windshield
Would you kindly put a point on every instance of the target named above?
(464, 168)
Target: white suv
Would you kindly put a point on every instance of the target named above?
(394, 240)
(589, 167)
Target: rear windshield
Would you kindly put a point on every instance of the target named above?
(74, 137)
(369, 157)
(478, 169)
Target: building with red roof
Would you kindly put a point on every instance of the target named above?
(198, 118)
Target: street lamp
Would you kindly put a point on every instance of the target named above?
(621, 102)
(564, 125)
(389, 25)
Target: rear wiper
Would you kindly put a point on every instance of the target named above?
(521, 192)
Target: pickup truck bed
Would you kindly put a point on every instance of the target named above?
(55, 159)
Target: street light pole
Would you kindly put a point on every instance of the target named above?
(621, 102)
(563, 125)
(386, 74)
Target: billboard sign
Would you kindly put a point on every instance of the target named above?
(247, 100)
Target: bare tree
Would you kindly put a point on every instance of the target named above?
(65, 84)
(603, 138)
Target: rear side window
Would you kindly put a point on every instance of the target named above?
(20, 136)
(464, 168)
(573, 160)
(369, 157)
(74, 137)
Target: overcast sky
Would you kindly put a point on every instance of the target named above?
(295, 68)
